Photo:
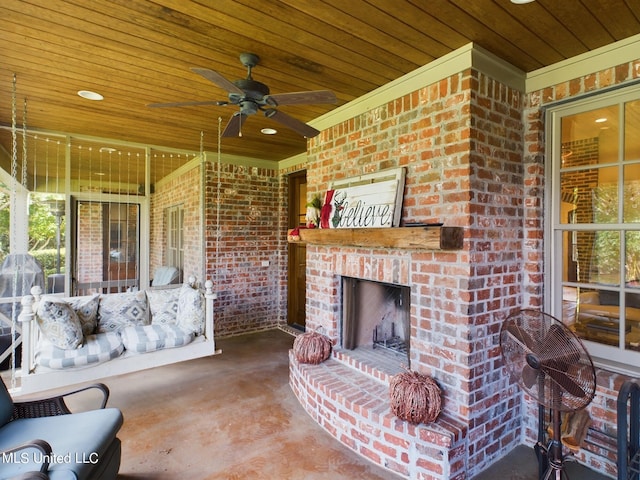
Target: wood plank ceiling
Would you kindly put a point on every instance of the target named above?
(137, 52)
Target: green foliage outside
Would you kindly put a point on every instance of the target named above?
(42, 231)
(607, 243)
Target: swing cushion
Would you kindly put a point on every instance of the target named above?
(96, 349)
(149, 338)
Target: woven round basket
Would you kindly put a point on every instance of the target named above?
(311, 347)
(415, 398)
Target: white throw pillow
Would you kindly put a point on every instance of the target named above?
(163, 304)
(191, 309)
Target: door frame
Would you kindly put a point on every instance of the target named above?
(296, 215)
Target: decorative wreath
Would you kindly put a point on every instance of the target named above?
(415, 398)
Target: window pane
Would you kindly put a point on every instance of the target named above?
(632, 193)
(591, 257)
(632, 259)
(605, 264)
(598, 318)
(589, 196)
(590, 138)
(632, 130)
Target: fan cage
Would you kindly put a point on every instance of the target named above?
(547, 360)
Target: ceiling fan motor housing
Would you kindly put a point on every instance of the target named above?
(253, 90)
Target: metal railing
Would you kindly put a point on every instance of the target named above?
(629, 431)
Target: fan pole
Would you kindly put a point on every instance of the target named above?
(540, 448)
(555, 470)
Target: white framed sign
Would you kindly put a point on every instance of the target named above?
(366, 201)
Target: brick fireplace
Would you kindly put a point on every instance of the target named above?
(348, 395)
(460, 139)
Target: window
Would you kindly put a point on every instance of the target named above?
(107, 239)
(595, 223)
(175, 249)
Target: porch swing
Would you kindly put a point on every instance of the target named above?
(156, 340)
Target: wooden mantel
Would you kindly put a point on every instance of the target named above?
(419, 237)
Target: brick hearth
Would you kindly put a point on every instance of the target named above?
(349, 398)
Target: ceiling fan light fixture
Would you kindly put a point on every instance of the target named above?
(89, 95)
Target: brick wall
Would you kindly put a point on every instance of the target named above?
(461, 142)
(89, 253)
(245, 246)
(603, 408)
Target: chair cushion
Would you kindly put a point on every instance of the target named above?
(77, 440)
(6, 404)
(119, 310)
(163, 304)
(191, 314)
(96, 349)
(148, 338)
(59, 323)
(165, 276)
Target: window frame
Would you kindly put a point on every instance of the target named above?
(609, 357)
(174, 236)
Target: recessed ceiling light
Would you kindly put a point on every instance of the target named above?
(89, 95)
(521, 2)
(601, 120)
(269, 131)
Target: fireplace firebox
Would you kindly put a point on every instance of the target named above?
(376, 317)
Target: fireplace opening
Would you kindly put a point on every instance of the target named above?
(376, 316)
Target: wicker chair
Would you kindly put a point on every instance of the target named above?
(15, 411)
(47, 407)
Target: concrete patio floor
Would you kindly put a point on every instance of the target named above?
(234, 417)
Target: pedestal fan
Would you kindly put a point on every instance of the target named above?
(551, 364)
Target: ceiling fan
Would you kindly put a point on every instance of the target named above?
(253, 96)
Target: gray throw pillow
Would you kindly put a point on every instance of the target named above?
(59, 324)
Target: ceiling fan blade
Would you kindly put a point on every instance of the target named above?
(294, 124)
(235, 124)
(564, 381)
(219, 80)
(293, 98)
(187, 104)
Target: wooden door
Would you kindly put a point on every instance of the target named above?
(297, 252)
